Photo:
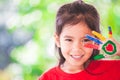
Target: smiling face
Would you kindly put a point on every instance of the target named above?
(71, 41)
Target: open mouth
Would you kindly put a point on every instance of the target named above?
(77, 57)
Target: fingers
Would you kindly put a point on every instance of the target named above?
(94, 46)
(100, 36)
(110, 32)
(91, 46)
(93, 39)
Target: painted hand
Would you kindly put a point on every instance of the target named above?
(108, 46)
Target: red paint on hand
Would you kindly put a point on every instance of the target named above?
(109, 47)
(91, 46)
(110, 32)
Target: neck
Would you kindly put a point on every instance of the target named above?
(66, 67)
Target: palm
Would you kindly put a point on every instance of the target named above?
(108, 46)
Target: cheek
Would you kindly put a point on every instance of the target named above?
(88, 51)
(65, 48)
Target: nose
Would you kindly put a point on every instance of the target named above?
(77, 46)
(77, 49)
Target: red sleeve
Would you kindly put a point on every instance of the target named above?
(43, 77)
(48, 74)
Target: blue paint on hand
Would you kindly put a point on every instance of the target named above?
(93, 39)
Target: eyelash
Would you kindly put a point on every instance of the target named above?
(86, 40)
(68, 40)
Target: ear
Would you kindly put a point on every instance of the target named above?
(57, 40)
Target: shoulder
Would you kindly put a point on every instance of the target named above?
(98, 66)
(107, 62)
(48, 73)
(104, 63)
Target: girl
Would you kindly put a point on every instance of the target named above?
(73, 22)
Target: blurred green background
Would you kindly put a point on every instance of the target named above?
(26, 34)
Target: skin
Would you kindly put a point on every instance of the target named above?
(71, 42)
(117, 46)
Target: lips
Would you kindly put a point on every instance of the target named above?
(76, 57)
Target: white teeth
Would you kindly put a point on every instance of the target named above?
(75, 56)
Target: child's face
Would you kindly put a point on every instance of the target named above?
(71, 42)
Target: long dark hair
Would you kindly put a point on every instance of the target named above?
(73, 13)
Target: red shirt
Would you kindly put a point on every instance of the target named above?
(97, 70)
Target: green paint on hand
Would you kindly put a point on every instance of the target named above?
(99, 56)
(109, 48)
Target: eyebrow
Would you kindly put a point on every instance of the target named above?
(67, 36)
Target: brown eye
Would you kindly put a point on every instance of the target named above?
(86, 40)
(68, 40)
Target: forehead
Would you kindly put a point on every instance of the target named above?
(77, 30)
